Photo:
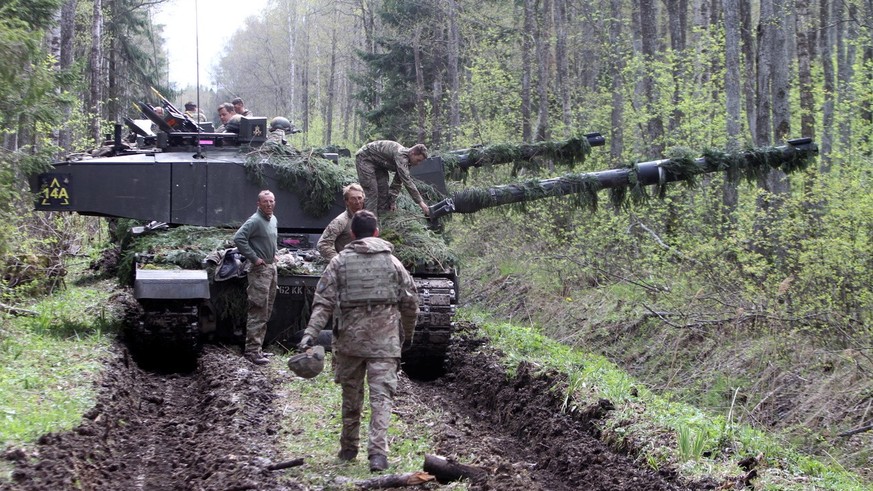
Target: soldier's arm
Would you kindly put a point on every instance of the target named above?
(327, 242)
(408, 301)
(241, 240)
(324, 302)
(406, 179)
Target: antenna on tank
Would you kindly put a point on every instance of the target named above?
(197, 77)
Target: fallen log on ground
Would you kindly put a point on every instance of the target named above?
(391, 480)
(448, 471)
(17, 311)
(285, 465)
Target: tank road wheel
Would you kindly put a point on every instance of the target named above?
(424, 358)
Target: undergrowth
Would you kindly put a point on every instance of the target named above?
(656, 428)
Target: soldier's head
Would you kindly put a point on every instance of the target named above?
(238, 105)
(353, 194)
(280, 123)
(225, 112)
(417, 154)
(266, 202)
(365, 224)
(190, 106)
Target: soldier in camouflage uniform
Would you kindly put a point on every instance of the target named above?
(339, 231)
(257, 240)
(373, 300)
(373, 162)
(195, 114)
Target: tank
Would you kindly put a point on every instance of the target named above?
(185, 174)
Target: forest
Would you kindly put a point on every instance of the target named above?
(755, 296)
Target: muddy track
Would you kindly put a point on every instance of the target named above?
(215, 429)
(211, 429)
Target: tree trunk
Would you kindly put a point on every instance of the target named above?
(827, 111)
(804, 72)
(543, 34)
(331, 82)
(649, 38)
(845, 72)
(95, 65)
(677, 12)
(747, 45)
(779, 88)
(526, 49)
(616, 133)
(563, 66)
(454, 42)
(731, 10)
(420, 110)
(68, 25)
(763, 107)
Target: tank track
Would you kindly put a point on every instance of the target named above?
(433, 328)
(166, 335)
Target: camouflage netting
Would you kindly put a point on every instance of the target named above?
(534, 156)
(306, 173)
(580, 190)
(417, 247)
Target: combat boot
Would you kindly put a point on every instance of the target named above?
(257, 358)
(347, 454)
(378, 463)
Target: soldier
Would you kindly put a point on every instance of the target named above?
(279, 128)
(229, 119)
(339, 232)
(257, 240)
(240, 107)
(373, 301)
(192, 112)
(373, 162)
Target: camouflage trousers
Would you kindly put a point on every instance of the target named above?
(374, 180)
(261, 294)
(382, 379)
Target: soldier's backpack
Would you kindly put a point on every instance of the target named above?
(368, 279)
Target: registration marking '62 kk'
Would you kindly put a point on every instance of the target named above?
(290, 290)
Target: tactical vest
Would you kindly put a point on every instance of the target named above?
(368, 279)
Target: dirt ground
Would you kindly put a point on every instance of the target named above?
(214, 429)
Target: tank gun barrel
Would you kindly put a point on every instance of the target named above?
(792, 156)
(481, 156)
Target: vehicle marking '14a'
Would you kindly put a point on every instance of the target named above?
(54, 190)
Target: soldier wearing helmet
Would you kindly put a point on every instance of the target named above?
(373, 300)
(279, 128)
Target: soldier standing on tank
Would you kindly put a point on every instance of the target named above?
(373, 300)
(373, 162)
(240, 107)
(257, 240)
(339, 231)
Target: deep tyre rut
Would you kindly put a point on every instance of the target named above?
(213, 429)
(514, 428)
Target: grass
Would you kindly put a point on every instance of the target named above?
(658, 430)
(48, 363)
(311, 414)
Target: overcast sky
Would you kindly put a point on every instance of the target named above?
(216, 20)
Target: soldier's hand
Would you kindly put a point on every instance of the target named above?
(424, 208)
(305, 343)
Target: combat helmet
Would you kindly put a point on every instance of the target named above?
(280, 123)
(307, 364)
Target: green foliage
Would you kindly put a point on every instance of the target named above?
(317, 181)
(48, 363)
